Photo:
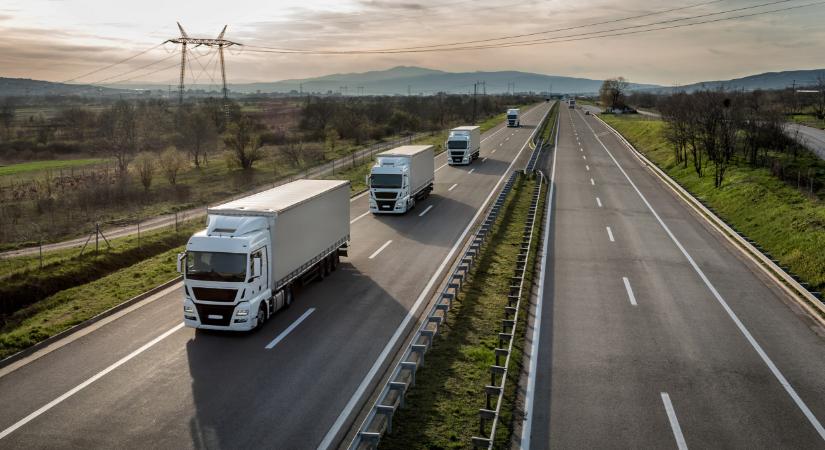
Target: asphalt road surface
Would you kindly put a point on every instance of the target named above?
(810, 137)
(140, 380)
(655, 332)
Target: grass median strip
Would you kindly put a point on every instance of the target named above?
(441, 411)
(785, 222)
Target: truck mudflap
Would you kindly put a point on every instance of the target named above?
(344, 249)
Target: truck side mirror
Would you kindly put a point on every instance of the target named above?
(181, 257)
(256, 267)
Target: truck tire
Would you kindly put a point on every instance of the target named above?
(322, 269)
(288, 297)
(261, 317)
(335, 260)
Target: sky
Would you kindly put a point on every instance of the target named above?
(61, 40)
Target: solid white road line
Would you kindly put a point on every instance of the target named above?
(391, 343)
(289, 329)
(742, 329)
(471, 171)
(452, 187)
(358, 218)
(375, 253)
(527, 423)
(610, 234)
(630, 295)
(674, 422)
(425, 211)
(592, 183)
(89, 381)
(599, 202)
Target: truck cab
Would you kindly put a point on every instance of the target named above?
(226, 274)
(463, 145)
(513, 118)
(389, 183)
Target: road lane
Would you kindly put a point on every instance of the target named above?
(604, 362)
(195, 389)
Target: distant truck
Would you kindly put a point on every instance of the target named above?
(400, 177)
(463, 145)
(513, 117)
(572, 103)
(254, 251)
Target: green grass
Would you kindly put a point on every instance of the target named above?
(25, 288)
(73, 306)
(784, 221)
(809, 120)
(42, 166)
(441, 411)
(549, 132)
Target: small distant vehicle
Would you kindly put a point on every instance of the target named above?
(587, 112)
(513, 118)
(572, 103)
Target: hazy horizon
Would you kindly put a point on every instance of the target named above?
(61, 40)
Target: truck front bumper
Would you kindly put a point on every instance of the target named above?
(397, 206)
(217, 317)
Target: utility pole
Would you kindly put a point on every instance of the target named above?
(475, 92)
(184, 40)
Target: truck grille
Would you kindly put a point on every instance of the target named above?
(386, 205)
(214, 295)
(386, 195)
(224, 311)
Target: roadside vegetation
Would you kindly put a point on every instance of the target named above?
(441, 410)
(152, 157)
(783, 218)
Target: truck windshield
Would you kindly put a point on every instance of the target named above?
(385, 180)
(216, 266)
(457, 145)
(512, 116)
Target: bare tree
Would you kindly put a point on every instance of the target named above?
(198, 135)
(819, 104)
(613, 92)
(145, 166)
(118, 126)
(7, 113)
(243, 141)
(172, 162)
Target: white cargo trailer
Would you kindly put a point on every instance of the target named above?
(400, 177)
(254, 251)
(464, 145)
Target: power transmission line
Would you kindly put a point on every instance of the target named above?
(567, 38)
(113, 64)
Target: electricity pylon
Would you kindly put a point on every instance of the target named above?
(184, 40)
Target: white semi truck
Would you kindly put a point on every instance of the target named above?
(400, 177)
(463, 145)
(513, 117)
(254, 251)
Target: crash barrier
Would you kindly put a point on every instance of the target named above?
(494, 392)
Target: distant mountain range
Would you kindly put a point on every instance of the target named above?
(404, 80)
(767, 80)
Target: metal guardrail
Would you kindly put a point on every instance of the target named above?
(509, 325)
(391, 397)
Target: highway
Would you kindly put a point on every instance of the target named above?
(141, 380)
(654, 331)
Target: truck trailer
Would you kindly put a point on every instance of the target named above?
(256, 250)
(400, 177)
(464, 145)
(513, 117)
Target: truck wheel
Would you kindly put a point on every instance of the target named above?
(261, 318)
(335, 260)
(288, 296)
(322, 269)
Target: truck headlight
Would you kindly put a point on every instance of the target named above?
(188, 309)
(242, 312)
